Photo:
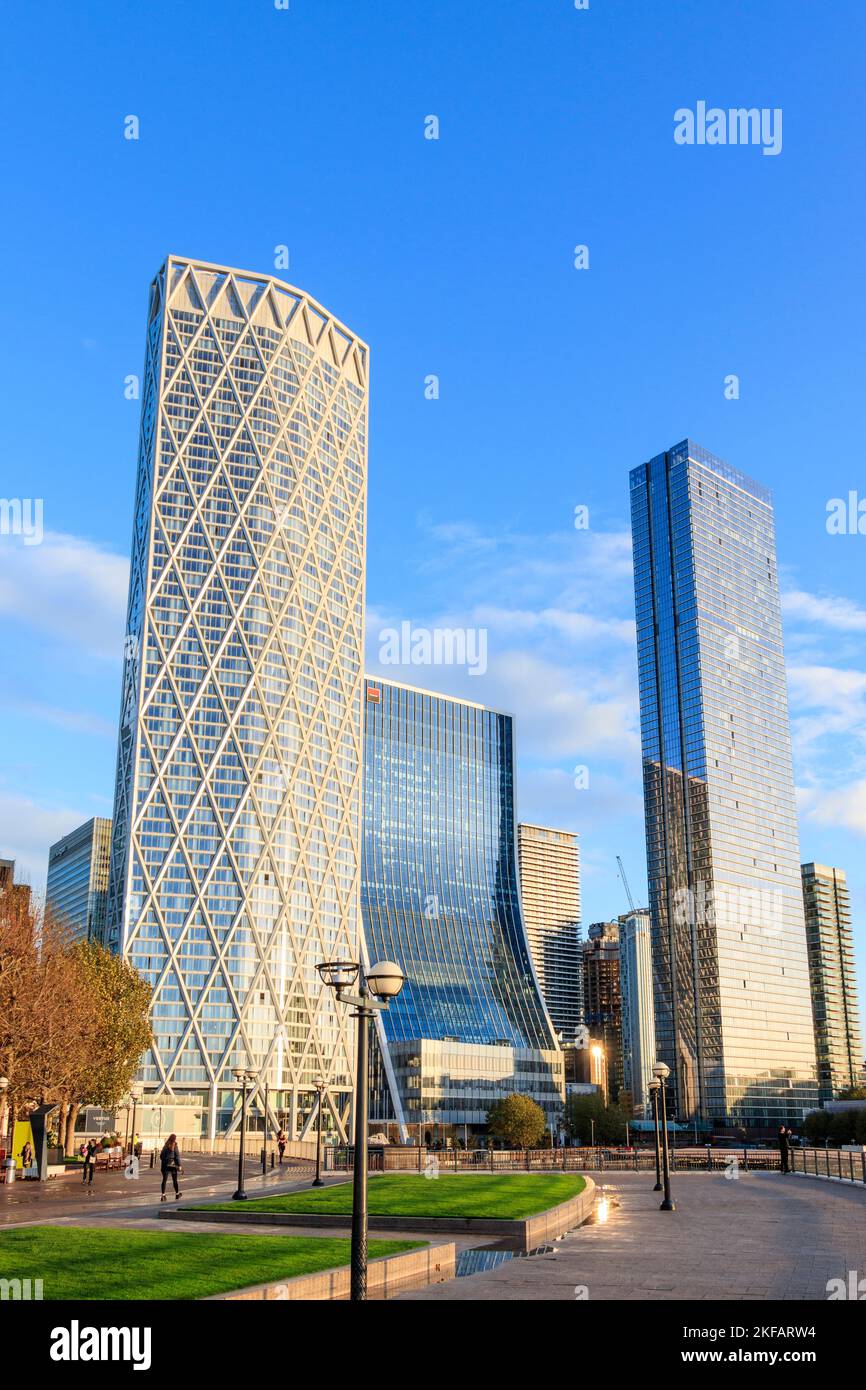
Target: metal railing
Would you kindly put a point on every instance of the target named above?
(844, 1165)
(585, 1159)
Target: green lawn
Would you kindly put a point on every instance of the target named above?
(514, 1195)
(85, 1262)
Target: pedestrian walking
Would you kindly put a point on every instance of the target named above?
(170, 1164)
(784, 1146)
(281, 1144)
(91, 1149)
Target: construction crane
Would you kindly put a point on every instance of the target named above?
(625, 884)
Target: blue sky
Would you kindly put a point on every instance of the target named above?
(261, 127)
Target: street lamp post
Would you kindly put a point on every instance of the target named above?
(318, 1180)
(654, 1087)
(383, 982)
(265, 1133)
(136, 1092)
(662, 1071)
(243, 1078)
(4, 1126)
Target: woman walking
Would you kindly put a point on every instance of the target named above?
(169, 1162)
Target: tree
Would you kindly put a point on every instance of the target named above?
(42, 1004)
(852, 1093)
(73, 1017)
(817, 1126)
(588, 1114)
(517, 1120)
(118, 1030)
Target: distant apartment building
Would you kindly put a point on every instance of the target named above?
(549, 863)
(602, 998)
(77, 888)
(838, 1040)
(638, 1020)
(8, 883)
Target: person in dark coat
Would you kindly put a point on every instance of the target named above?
(784, 1144)
(91, 1149)
(170, 1164)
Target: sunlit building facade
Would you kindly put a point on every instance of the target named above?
(838, 1039)
(236, 842)
(638, 1009)
(549, 864)
(440, 897)
(733, 1012)
(602, 998)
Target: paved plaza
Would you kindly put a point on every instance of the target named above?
(762, 1236)
(114, 1195)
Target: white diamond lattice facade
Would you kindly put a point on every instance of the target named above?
(236, 851)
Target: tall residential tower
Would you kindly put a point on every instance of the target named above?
(549, 864)
(638, 1013)
(235, 859)
(733, 1012)
(838, 1041)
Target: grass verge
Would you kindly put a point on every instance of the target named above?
(512, 1195)
(91, 1263)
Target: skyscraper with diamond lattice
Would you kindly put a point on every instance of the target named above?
(235, 852)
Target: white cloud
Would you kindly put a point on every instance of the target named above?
(844, 806)
(826, 610)
(67, 588)
(76, 721)
(27, 830)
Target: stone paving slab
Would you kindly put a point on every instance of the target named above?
(761, 1236)
(28, 1203)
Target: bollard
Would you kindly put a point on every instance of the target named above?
(272, 1159)
(152, 1157)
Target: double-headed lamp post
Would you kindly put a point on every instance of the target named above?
(661, 1072)
(381, 984)
(243, 1079)
(654, 1088)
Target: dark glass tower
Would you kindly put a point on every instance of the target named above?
(733, 1011)
(439, 895)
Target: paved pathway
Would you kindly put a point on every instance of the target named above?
(24, 1203)
(761, 1236)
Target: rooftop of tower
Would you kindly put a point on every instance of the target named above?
(689, 449)
(434, 694)
(251, 282)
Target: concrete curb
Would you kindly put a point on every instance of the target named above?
(830, 1177)
(414, 1268)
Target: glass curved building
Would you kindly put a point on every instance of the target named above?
(235, 859)
(440, 895)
